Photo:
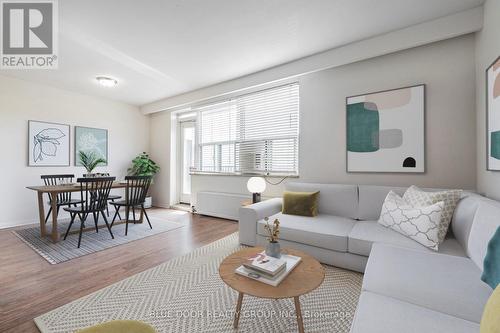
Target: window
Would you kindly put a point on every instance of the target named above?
(256, 133)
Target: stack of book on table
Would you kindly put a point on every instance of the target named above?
(266, 269)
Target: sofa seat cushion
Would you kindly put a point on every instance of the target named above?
(365, 233)
(325, 231)
(439, 282)
(334, 199)
(382, 314)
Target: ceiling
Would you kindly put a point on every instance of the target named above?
(158, 49)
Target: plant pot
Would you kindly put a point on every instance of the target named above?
(89, 175)
(273, 249)
(148, 203)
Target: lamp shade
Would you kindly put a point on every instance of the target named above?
(256, 185)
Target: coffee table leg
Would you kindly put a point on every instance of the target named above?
(238, 310)
(298, 313)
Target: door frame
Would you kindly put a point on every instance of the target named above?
(191, 121)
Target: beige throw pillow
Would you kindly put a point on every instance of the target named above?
(418, 223)
(417, 197)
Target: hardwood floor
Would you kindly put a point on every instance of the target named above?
(30, 286)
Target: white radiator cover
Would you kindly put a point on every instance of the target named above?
(220, 204)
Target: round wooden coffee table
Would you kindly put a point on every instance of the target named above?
(307, 276)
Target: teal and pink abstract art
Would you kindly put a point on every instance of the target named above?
(385, 131)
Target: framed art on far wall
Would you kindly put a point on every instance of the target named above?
(48, 144)
(89, 139)
(386, 131)
(493, 116)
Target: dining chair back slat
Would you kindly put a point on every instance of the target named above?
(94, 192)
(54, 180)
(137, 189)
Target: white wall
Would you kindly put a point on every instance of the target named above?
(160, 152)
(447, 68)
(21, 101)
(487, 50)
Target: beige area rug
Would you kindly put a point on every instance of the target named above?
(186, 294)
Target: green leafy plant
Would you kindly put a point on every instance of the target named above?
(142, 165)
(90, 160)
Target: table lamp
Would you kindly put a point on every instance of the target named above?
(256, 185)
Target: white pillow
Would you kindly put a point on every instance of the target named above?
(416, 197)
(418, 223)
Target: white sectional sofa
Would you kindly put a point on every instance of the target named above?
(406, 287)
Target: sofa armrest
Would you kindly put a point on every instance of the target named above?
(249, 215)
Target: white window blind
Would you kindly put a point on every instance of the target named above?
(256, 133)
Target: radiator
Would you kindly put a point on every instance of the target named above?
(219, 204)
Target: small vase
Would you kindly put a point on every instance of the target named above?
(273, 249)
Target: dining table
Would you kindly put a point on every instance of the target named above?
(52, 191)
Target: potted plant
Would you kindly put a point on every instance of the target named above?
(142, 165)
(273, 248)
(90, 160)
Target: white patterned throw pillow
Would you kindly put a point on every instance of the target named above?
(418, 223)
(417, 197)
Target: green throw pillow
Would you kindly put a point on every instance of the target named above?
(300, 203)
(491, 264)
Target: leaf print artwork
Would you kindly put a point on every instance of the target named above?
(46, 143)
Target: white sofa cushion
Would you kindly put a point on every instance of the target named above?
(421, 224)
(486, 222)
(334, 199)
(381, 314)
(325, 231)
(439, 282)
(463, 217)
(365, 233)
(371, 198)
(417, 197)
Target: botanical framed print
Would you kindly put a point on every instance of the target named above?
(493, 116)
(48, 144)
(386, 131)
(90, 140)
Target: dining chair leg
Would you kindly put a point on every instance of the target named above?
(81, 230)
(70, 224)
(96, 216)
(114, 217)
(118, 210)
(127, 211)
(147, 217)
(107, 224)
(48, 214)
(107, 209)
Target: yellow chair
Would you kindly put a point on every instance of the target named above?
(120, 326)
(490, 322)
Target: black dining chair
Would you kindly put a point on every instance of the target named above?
(135, 195)
(63, 198)
(94, 193)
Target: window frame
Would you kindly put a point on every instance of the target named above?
(266, 142)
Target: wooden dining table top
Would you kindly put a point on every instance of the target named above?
(74, 187)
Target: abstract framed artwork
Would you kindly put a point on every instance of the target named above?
(48, 144)
(386, 131)
(89, 140)
(493, 116)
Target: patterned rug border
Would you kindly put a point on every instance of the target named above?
(54, 262)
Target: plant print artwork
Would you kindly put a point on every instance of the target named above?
(48, 144)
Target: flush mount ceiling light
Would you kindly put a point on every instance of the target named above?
(106, 81)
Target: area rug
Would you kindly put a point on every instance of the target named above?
(65, 250)
(186, 294)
